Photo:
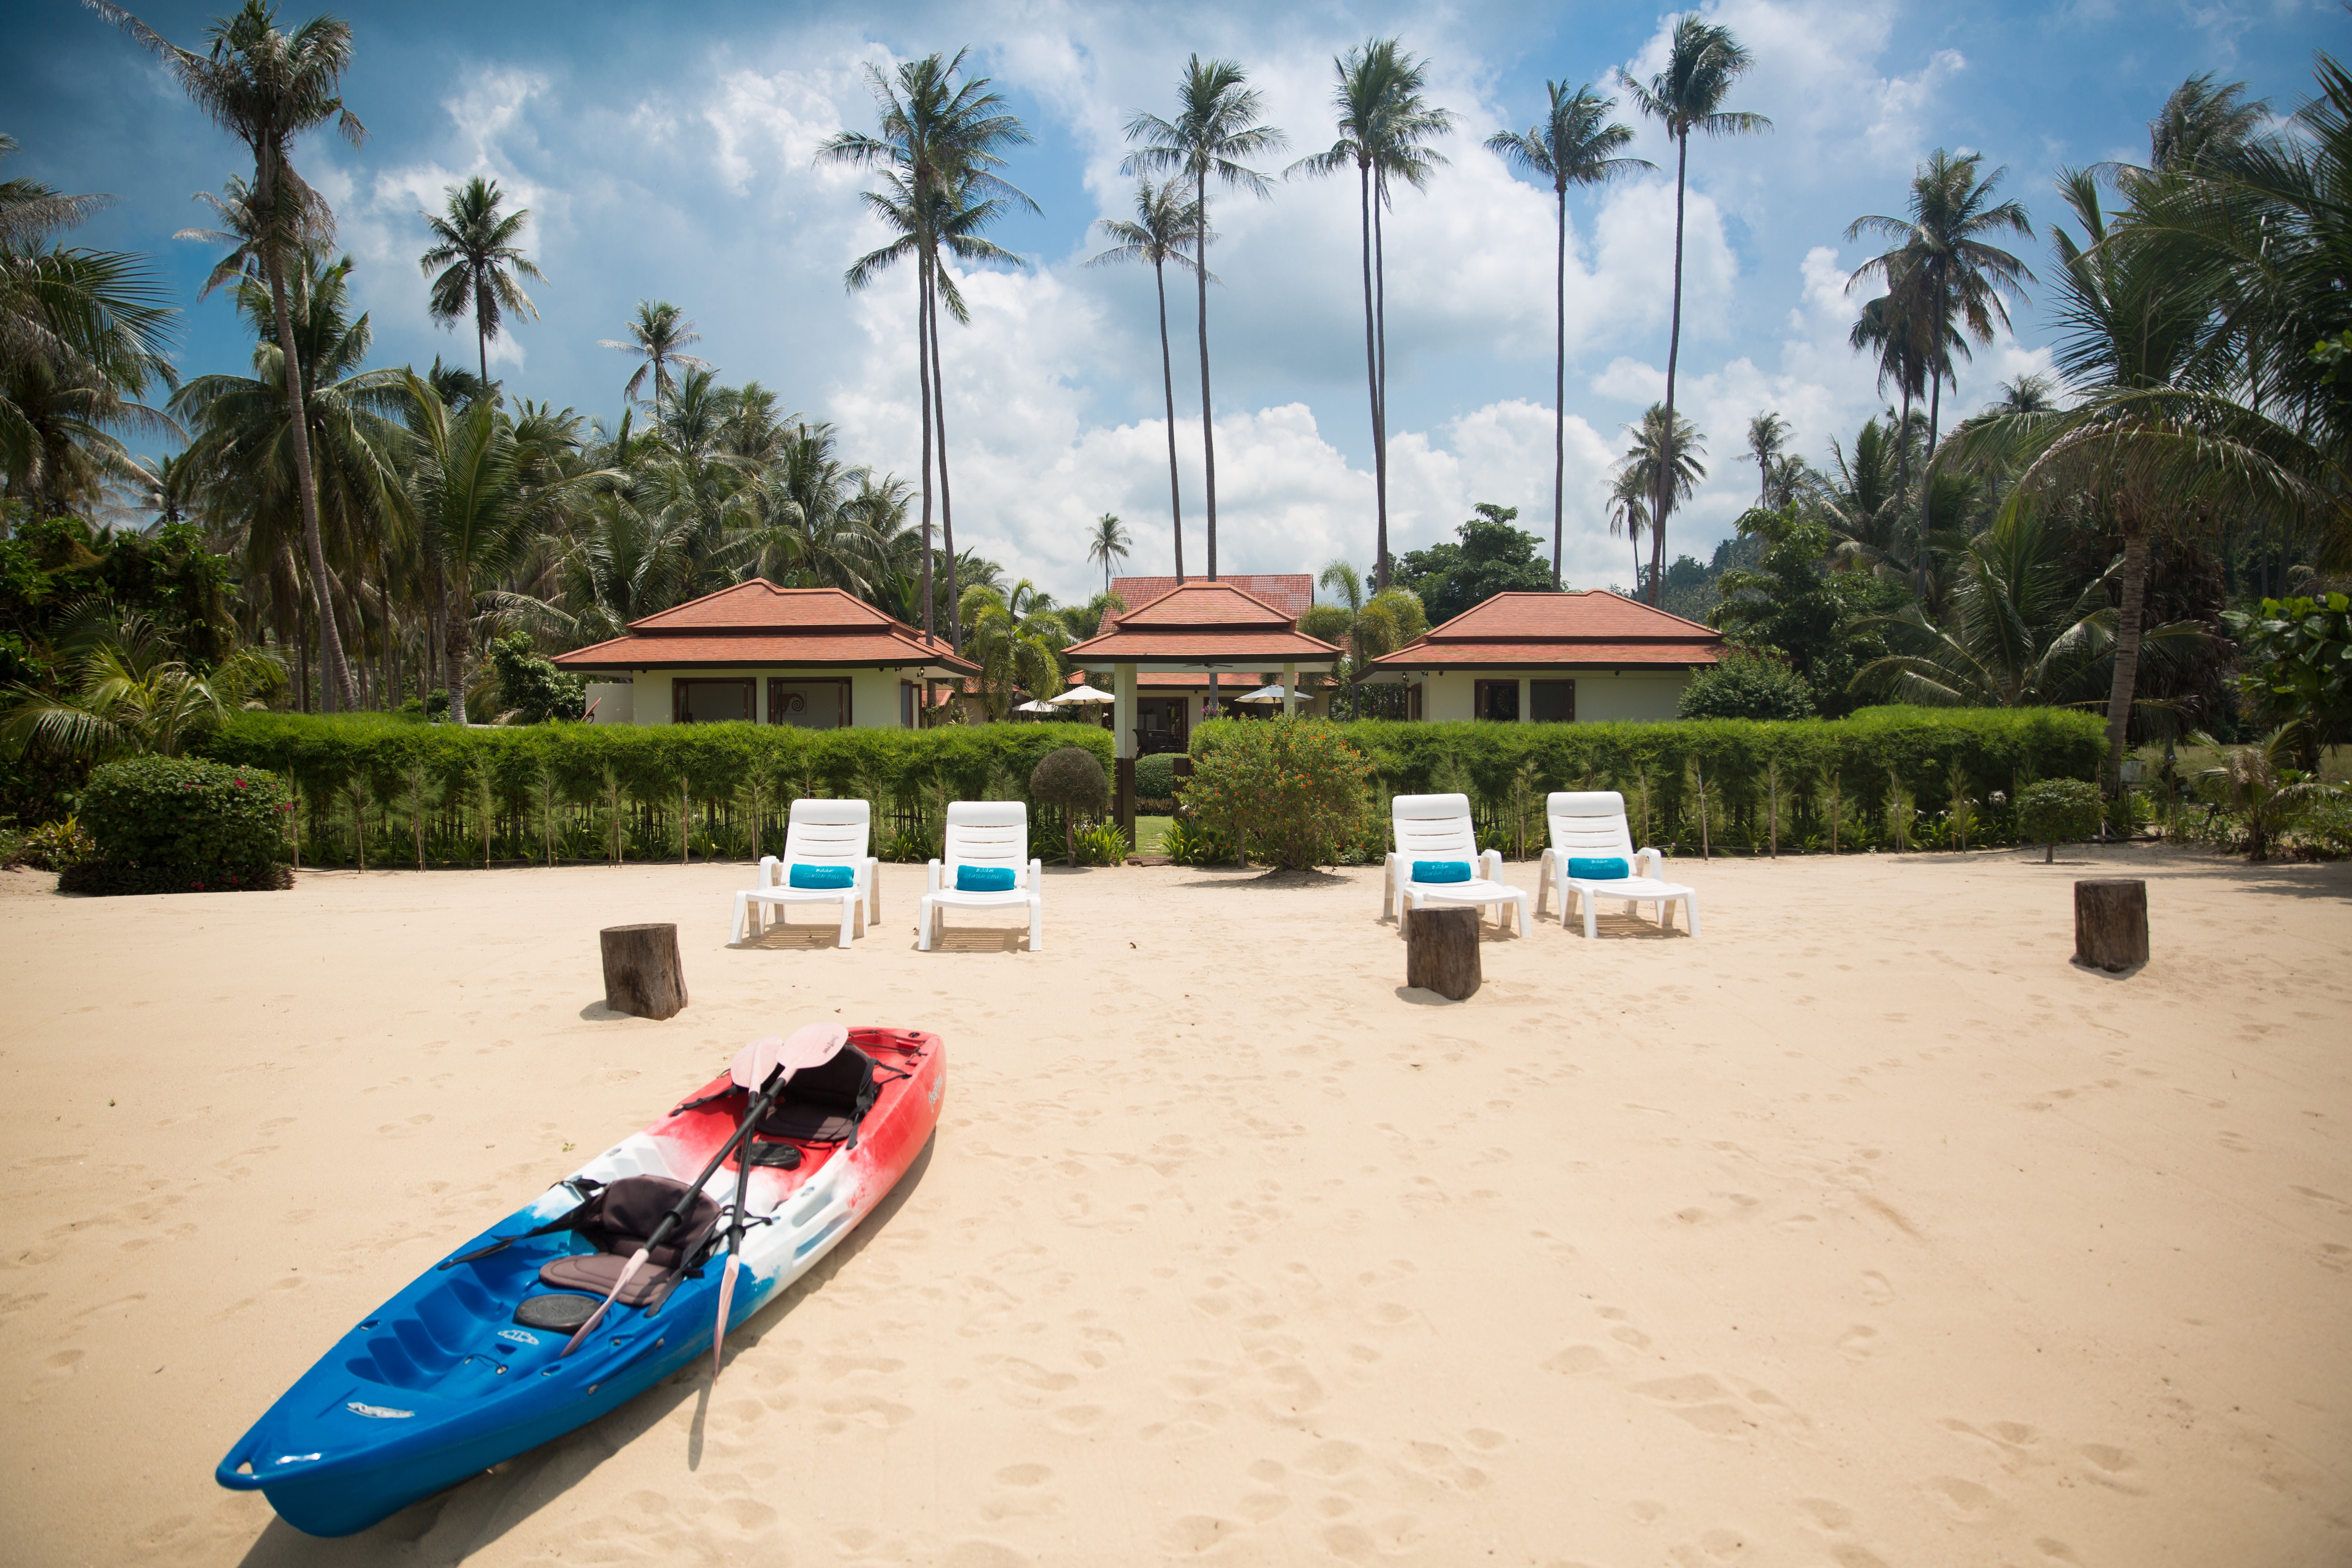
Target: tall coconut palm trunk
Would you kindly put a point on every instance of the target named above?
(1559, 384)
(1665, 497)
(334, 676)
(1372, 384)
(923, 375)
(2128, 617)
(1380, 389)
(1168, 385)
(456, 640)
(947, 512)
(1208, 416)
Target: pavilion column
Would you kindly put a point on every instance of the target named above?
(1290, 690)
(1122, 722)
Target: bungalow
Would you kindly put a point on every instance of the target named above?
(1551, 659)
(816, 658)
(1168, 702)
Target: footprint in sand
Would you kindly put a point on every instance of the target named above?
(2112, 1466)
(1703, 1401)
(1858, 1342)
(1577, 1360)
(1876, 1290)
(1967, 1498)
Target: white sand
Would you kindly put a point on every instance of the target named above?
(1864, 1230)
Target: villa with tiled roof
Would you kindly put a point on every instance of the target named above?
(1552, 658)
(817, 659)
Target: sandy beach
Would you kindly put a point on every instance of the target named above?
(1864, 1230)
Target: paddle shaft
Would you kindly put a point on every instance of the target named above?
(734, 1255)
(677, 1215)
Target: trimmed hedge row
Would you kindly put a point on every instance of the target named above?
(1999, 748)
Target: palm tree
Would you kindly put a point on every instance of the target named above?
(474, 495)
(476, 246)
(1768, 434)
(1702, 62)
(1216, 127)
(266, 88)
(1945, 265)
(82, 338)
(242, 442)
(1576, 144)
(658, 334)
(962, 212)
(1016, 639)
(1163, 222)
(1664, 470)
(2142, 345)
(1383, 123)
(1629, 512)
(1893, 328)
(133, 693)
(938, 151)
(1108, 543)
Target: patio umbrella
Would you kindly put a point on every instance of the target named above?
(1263, 694)
(1081, 694)
(1033, 707)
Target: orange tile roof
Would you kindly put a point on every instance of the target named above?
(1216, 623)
(759, 623)
(1591, 627)
(1289, 592)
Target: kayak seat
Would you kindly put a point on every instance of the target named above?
(617, 1220)
(823, 1104)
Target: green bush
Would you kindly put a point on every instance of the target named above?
(174, 825)
(530, 687)
(1747, 687)
(1292, 790)
(1105, 844)
(1155, 777)
(2059, 811)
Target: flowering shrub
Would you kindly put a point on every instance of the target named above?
(168, 825)
(1290, 789)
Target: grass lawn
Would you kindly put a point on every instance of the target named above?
(1148, 830)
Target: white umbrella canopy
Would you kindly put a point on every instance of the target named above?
(1033, 707)
(1263, 694)
(1082, 694)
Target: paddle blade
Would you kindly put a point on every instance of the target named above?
(628, 1271)
(726, 1300)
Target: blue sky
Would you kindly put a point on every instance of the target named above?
(664, 153)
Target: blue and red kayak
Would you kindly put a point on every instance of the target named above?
(465, 1367)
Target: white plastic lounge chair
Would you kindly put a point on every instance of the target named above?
(992, 834)
(1591, 825)
(1438, 827)
(819, 833)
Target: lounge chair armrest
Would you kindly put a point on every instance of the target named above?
(933, 886)
(1037, 877)
(766, 875)
(1649, 862)
(1490, 866)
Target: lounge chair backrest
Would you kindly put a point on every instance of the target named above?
(823, 831)
(987, 833)
(1434, 827)
(1588, 822)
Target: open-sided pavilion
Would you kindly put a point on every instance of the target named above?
(1203, 627)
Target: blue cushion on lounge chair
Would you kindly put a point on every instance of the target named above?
(984, 879)
(823, 877)
(1598, 868)
(1440, 870)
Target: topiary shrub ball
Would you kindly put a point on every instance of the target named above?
(1155, 777)
(1072, 779)
(2058, 811)
(174, 825)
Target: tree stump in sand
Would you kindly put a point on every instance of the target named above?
(2111, 923)
(1441, 952)
(643, 975)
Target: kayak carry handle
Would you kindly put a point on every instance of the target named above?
(227, 1474)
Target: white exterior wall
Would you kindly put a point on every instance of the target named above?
(873, 693)
(611, 702)
(1638, 696)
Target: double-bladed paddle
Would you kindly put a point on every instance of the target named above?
(763, 1068)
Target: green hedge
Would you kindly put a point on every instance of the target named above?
(1743, 763)
(438, 794)
(174, 825)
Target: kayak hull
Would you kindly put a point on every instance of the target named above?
(440, 1382)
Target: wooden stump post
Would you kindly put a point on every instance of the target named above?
(643, 975)
(2111, 923)
(1441, 952)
